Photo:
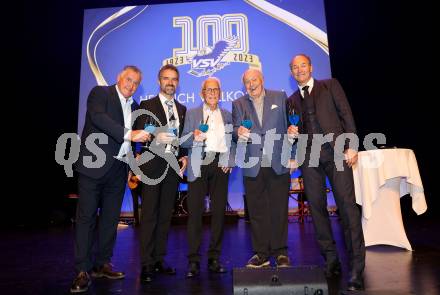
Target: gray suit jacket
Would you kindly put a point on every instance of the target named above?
(274, 122)
(195, 149)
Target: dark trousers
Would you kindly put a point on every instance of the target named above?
(107, 194)
(343, 191)
(156, 212)
(267, 199)
(213, 181)
(135, 194)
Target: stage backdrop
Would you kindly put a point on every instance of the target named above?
(213, 38)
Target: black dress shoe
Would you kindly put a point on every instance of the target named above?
(81, 283)
(215, 266)
(163, 267)
(193, 269)
(333, 269)
(107, 271)
(355, 283)
(147, 274)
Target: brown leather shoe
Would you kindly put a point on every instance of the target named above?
(257, 262)
(283, 261)
(107, 271)
(81, 283)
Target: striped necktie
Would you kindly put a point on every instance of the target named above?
(172, 123)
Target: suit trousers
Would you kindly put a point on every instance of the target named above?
(343, 191)
(107, 194)
(156, 213)
(213, 182)
(267, 197)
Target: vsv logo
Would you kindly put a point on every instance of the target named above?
(203, 63)
(211, 59)
(221, 40)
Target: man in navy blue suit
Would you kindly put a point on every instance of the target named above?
(103, 175)
(267, 179)
(210, 160)
(324, 111)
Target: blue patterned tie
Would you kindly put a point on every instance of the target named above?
(171, 121)
(171, 117)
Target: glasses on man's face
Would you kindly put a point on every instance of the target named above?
(211, 90)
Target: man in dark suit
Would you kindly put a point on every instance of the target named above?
(267, 181)
(210, 161)
(159, 191)
(103, 174)
(324, 110)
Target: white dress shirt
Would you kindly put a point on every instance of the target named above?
(215, 136)
(126, 110)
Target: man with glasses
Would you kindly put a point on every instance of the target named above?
(210, 161)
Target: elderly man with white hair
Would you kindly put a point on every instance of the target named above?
(266, 182)
(210, 161)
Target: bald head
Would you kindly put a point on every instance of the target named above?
(301, 67)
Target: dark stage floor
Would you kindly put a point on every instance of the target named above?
(40, 261)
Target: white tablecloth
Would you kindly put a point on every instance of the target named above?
(381, 177)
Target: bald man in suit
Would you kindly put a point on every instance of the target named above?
(324, 110)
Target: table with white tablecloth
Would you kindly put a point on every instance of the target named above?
(381, 177)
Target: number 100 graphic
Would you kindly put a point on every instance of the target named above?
(220, 40)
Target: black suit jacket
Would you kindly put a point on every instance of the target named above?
(157, 165)
(104, 115)
(331, 105)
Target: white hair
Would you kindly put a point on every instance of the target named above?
(211, 78)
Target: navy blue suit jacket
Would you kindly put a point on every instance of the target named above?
(104, 115)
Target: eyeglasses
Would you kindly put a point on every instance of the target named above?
(211, 90)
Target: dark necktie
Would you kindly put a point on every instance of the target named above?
(306, 92)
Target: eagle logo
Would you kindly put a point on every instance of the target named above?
(209, 60)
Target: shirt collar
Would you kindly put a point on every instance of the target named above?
(163, 98)
(310, 83)
(206, 108)
(122, 98)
